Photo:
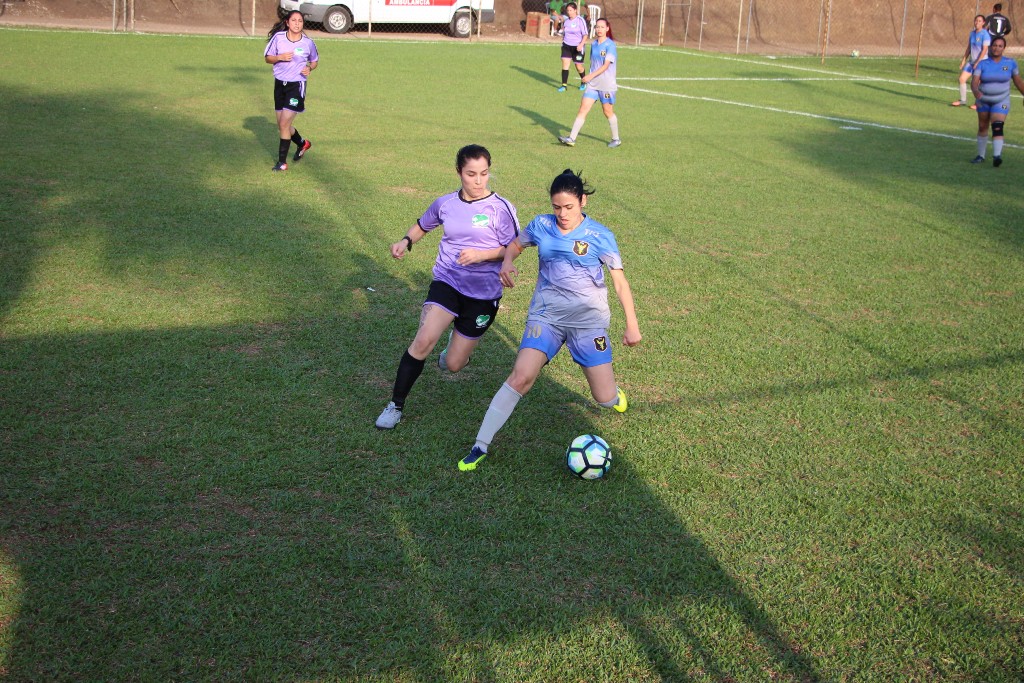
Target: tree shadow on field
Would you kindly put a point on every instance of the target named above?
(211, 502)
(899, 93)
(544, 79)
(550, 125)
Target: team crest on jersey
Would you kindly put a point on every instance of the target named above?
(601, 343)
(580, 248)
(603, 52)
(482, 320)
(299, 51)
(481, 220)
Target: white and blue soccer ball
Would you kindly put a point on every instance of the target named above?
(589, 456)
(855, 53)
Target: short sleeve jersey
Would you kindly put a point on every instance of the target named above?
(996, 78)
(979, 40)
(601, 52)
(571, 290)
(487, 223)
(303, 52)
(573, 30)
(997, 24)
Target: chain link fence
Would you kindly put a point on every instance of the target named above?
(806, 27)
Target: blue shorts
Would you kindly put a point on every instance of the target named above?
(602, 97)
(1000, 107)
(589, 348)
(968, 68)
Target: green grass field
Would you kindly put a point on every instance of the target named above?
(819, 478)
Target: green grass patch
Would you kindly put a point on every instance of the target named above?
(819, 477)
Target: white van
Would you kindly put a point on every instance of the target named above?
(338, 16)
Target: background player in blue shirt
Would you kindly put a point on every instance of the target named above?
(991, 87)
(569, 306)
(977, 49)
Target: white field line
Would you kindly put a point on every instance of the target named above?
(791, 112)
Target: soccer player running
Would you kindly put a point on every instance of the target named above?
(569, 306)
(991, 88)
(574, 38)
(977, 50)
(294, 57)
(600, 84)
(478, 224)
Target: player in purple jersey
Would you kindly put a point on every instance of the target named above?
(600, 84)
(991, 87)
(977, 50)
(294, 57)
(569, 306)
(478, 225)
(574, 39)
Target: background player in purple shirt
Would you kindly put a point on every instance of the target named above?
(574, 39)
(478, 225)
(294, 57)
(569, 306)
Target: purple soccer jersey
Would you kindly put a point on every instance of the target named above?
(303, 52)
(487, 223)
(573, 30)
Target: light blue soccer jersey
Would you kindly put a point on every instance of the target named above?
(995, 79)
(571, 289)
(978, 41)
(601, 52)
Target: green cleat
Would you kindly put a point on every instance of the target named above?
(475, 457)
(622, 404)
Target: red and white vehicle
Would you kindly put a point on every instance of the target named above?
(338, 16)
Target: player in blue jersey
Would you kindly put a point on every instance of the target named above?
(991, 88)
(478, 224)
(977, 50)
(569, 306)
(601, 85)
(294, 57)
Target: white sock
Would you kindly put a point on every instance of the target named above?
(982, 144)
(576, 125)
(613, 121)
(963, 92)
(500, 410)
(997, 147)
(612, 403)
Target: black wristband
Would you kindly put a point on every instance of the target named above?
(408, 240)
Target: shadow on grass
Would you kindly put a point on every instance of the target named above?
(550, 125)
(212, 501)
(543, 79)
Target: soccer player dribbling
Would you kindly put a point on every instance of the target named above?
(991, 88)
(569, 306)
(600, 84)
(478, 225)
(294, 57)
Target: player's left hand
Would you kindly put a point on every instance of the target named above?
(306, 70)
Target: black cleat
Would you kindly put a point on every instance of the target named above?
(281, 166)
(997, 161)
(301, 151)
(978, 159)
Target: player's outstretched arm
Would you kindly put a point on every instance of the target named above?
(632, 335)
(412, 236)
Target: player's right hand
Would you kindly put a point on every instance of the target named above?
(285, 57)
(507, 276)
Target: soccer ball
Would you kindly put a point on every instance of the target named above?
(855, 53)
(589, 456)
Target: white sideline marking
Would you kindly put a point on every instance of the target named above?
(730, 78)
(809, 115)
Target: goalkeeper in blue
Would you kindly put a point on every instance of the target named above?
(569, 306)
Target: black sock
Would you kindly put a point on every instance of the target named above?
(282, 150)
(565, 76)
(297, 139)
(409, 370)
(581, 75)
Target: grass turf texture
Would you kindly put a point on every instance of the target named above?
(819, 477)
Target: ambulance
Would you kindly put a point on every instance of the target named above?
(338, 16)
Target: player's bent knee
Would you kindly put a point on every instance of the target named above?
(997, 129)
